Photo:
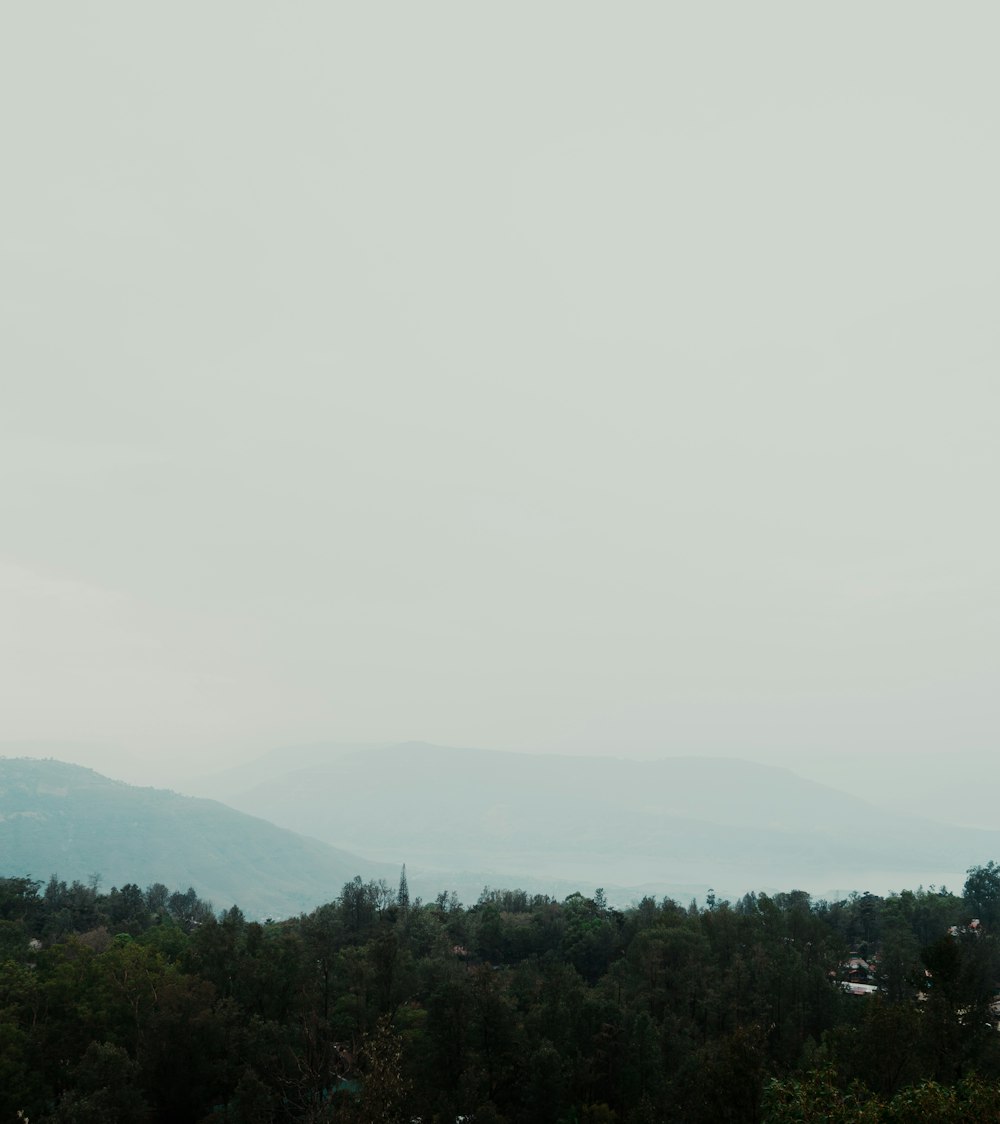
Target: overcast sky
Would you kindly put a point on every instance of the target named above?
(612, 377)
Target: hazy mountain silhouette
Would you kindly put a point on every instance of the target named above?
(726, 822)
(64, 819)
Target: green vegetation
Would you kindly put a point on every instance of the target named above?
(144, 1005)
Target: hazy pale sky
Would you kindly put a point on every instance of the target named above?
(611, 377)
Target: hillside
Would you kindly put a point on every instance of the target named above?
(67, 820)
(729, 823)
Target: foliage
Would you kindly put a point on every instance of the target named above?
(519, 1008)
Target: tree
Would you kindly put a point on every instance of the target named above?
(816, 1098)
(982, 892)
(104, 1087)
(188, 910)
(127, 911)
(385, 1090)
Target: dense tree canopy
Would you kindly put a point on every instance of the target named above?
(376, 1007)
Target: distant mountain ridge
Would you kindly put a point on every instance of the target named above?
(63, 819)
(462, 819)
(720, 821)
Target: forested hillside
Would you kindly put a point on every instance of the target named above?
(64, 818)
(143, 1005)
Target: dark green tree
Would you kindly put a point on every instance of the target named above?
(982, 892)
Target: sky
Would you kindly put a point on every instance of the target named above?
(554, 377)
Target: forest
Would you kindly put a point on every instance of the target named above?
(147, 1005)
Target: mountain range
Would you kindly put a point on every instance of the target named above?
(69, 821)
(649, 826)
(296, 822)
